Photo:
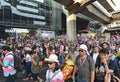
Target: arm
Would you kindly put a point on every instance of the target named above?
(5, 62)
(92, 70)
(92, 76)
(107, 77)
(1, 63)
(74, 71)
(117, 78)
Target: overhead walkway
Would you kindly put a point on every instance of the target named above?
(95, 9)
(98, 10)
(116, 16)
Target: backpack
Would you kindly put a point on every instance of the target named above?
(17, 61)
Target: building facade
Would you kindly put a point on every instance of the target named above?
(40, 14)
(25, 13)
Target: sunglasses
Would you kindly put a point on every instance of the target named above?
(104, 45)
(50, 63)
(81, 50)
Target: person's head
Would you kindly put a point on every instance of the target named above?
(32, 53)
(96, 49)
(104, 53)
(5, 49)
(50, 49)
(72, 49)
(27, 50)
(53, 61)
(83, 50)
(113, 49)
(37, 49)
(105, 45)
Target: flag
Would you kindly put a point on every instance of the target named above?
(115, 37)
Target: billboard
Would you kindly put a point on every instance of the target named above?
(47, 34)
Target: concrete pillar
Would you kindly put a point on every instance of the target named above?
(71, 27)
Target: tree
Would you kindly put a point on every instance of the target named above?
(32, 32)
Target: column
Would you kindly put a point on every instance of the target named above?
(71, 27)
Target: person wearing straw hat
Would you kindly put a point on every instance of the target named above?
(54, 73)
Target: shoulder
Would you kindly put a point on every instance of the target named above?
(89, 58)
(91, 54)
(59, 73)
(77, 57)
(8, 56)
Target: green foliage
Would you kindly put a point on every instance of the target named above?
(32, 32)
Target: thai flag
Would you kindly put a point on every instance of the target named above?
(66, 36)
(115, 37)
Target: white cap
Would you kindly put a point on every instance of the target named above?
(84, 47)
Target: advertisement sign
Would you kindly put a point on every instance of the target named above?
(47, 34)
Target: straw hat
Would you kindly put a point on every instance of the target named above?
(52, 58)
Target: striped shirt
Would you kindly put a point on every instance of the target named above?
(8, 62)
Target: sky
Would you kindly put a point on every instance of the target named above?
(117, 2)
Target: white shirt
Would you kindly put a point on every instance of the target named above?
(28, 57)
(95, 55)
(57, 76)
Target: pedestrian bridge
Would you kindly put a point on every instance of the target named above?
(103, 11)
(100, 10)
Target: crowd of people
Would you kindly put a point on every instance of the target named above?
(95, 59)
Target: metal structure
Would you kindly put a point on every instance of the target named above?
(96, 9)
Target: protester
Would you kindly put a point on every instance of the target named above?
(84, 66)
(95, 53)
(28, 63)
(46, 46)
(71, 55)
(62, 54)
(103, 64)
(35, 69)
(8, 64)
(54, 73)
